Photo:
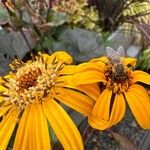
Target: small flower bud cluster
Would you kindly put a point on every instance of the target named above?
(80, 14)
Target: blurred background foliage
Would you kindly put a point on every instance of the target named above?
(80, 14)
(83, 28)
(144, 61)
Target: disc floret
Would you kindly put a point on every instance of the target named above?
(31, 82)
(120, 83)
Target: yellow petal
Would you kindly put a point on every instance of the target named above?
(130, 61)
(39, 134)
(1, 81)
(97, 123)
(2, 89)
(23, 132)
(89, 66)
(68, 69)
(64, 80)
(1, 99)
(117, 113)
(62, 125)
(76, 100)
(63, 56)
(88, 77)
(4, 109)
(7, 126)
(139, 103)
(47, 58)
(141, 76)
(118, 109)
(91, 90)
(102, 106)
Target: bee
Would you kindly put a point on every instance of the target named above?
(117, 63)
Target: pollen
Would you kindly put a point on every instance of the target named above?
(31, 82)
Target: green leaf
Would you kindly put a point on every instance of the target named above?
(13, 44)
(26, 17)
(2, 32)
(56, 18)
(4, 16)
(47, 43)
(56, 46)
(82, 44)
(144, 60)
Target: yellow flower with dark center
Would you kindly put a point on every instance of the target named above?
(117, 84)
(28, 103)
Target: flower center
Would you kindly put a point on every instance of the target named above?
(28, 79)
(118, 77)
(32, 82)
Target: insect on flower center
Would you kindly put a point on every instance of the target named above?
(118, 76)
(118, 80)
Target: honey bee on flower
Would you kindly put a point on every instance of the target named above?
(117, 63)
(117, 84)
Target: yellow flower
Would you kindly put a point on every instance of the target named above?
(115, 89)
(28, 103)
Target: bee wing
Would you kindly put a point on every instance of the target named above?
(121, 52)
(110, 52)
